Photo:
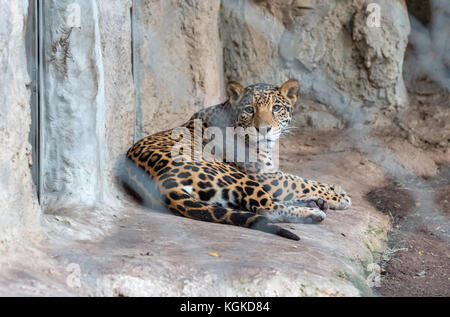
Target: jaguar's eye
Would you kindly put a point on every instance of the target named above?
(249, 109)
(276, 108)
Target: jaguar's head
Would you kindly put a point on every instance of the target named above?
(266, 108)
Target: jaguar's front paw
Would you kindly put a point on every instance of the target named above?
(319, 203)
(337, 198)
(316, 217)
(339, 202)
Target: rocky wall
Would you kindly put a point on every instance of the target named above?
(88, 106)
(178, 64)
(73, 108)
(341, 61)
(116, 37)
(19, 209)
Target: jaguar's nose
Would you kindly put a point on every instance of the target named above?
(263, 130)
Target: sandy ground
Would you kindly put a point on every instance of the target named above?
(417, 260)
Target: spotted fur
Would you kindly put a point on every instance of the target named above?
(248, 194)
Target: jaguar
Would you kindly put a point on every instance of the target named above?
(170, 171)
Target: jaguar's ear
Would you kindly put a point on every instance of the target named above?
(290, 90)
(235, 91)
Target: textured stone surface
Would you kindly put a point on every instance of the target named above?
(19, 211)
(316, 115)
(382, 49)
(115, 36)
(89, 102)
(73, 138)
(329, 49)
(178, 64)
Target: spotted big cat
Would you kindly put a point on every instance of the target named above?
(169, 171)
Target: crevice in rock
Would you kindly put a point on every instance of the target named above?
(32, 43)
